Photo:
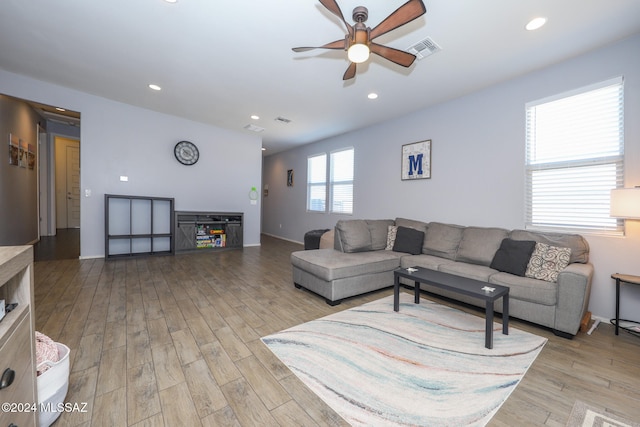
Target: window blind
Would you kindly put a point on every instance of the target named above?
(317, 183)
(342, 181)
(574, 158)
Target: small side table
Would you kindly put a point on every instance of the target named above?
(623, 278)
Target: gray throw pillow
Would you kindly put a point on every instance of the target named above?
(408, 240)
(513, 256)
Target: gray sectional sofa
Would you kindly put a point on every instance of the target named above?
(362, 260)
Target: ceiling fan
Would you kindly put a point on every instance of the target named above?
(358, 41)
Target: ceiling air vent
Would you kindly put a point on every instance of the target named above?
(282, 120)
(254, 128)
(424, 48)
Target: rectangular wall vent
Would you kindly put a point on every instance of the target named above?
(424, 48)
(254, 128)
(282, 120)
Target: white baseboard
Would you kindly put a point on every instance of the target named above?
(90, 257)
(282, 238)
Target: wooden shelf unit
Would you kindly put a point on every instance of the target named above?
(138, 226)
(208, 231)
(17, 339)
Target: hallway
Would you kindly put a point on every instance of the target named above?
(64, 245)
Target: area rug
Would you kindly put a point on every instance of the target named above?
(425, 365)
(583, 415)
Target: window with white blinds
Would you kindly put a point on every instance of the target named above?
(574, 158)
(341, 180)
(317, 183)
(337, 183)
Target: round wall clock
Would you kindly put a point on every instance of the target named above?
(186, 153)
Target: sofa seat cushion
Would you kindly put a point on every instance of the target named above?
(329, 264)
(527, 289)
(424, 261)
(472, 271)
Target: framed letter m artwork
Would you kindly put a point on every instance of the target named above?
(416, 160)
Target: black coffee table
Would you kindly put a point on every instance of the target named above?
(462, 285)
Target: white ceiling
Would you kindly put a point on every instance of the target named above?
(220, 61)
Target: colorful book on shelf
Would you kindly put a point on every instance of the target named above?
(220, 241)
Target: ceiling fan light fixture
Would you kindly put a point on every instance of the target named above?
(358, 53)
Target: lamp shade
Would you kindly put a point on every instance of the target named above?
(625, 203)
(358, 53)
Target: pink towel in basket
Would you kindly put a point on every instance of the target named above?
(46, 349)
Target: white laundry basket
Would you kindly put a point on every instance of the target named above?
(52, 386)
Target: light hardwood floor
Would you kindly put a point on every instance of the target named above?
(175, 341)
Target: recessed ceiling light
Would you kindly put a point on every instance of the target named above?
(171, 1)
(255, 117)
(372, 95)
(154, 87)
(536, 23)
(264, 149)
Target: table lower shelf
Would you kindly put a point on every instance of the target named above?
(628, 325)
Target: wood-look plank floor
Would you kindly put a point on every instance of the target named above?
(175, 341)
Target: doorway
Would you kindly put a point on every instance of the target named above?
(50, 123)
(67, 182)
(59, 199)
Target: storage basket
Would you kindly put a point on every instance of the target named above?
(52, 387)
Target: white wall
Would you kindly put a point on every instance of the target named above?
(477, 165)
(119, 139)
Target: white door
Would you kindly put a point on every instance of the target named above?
(67, 182)
(73, 186)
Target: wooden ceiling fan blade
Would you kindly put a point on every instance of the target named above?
(404, 14)
(338, 44)
(351, 72)
(400, 57)
(333, 7)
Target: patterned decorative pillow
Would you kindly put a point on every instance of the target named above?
(547, 261)
(391, 237)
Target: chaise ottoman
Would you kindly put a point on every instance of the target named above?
(337, 275)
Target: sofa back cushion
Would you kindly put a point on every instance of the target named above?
(412, 223)
(360, 235)
(578, 244)
(442, 240)
(480, 244)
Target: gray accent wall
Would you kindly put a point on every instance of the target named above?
(478, 155)
(119, 139)
(18, 186)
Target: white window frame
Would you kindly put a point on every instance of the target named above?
(315, 184)
(570, 190)
(341, 202)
